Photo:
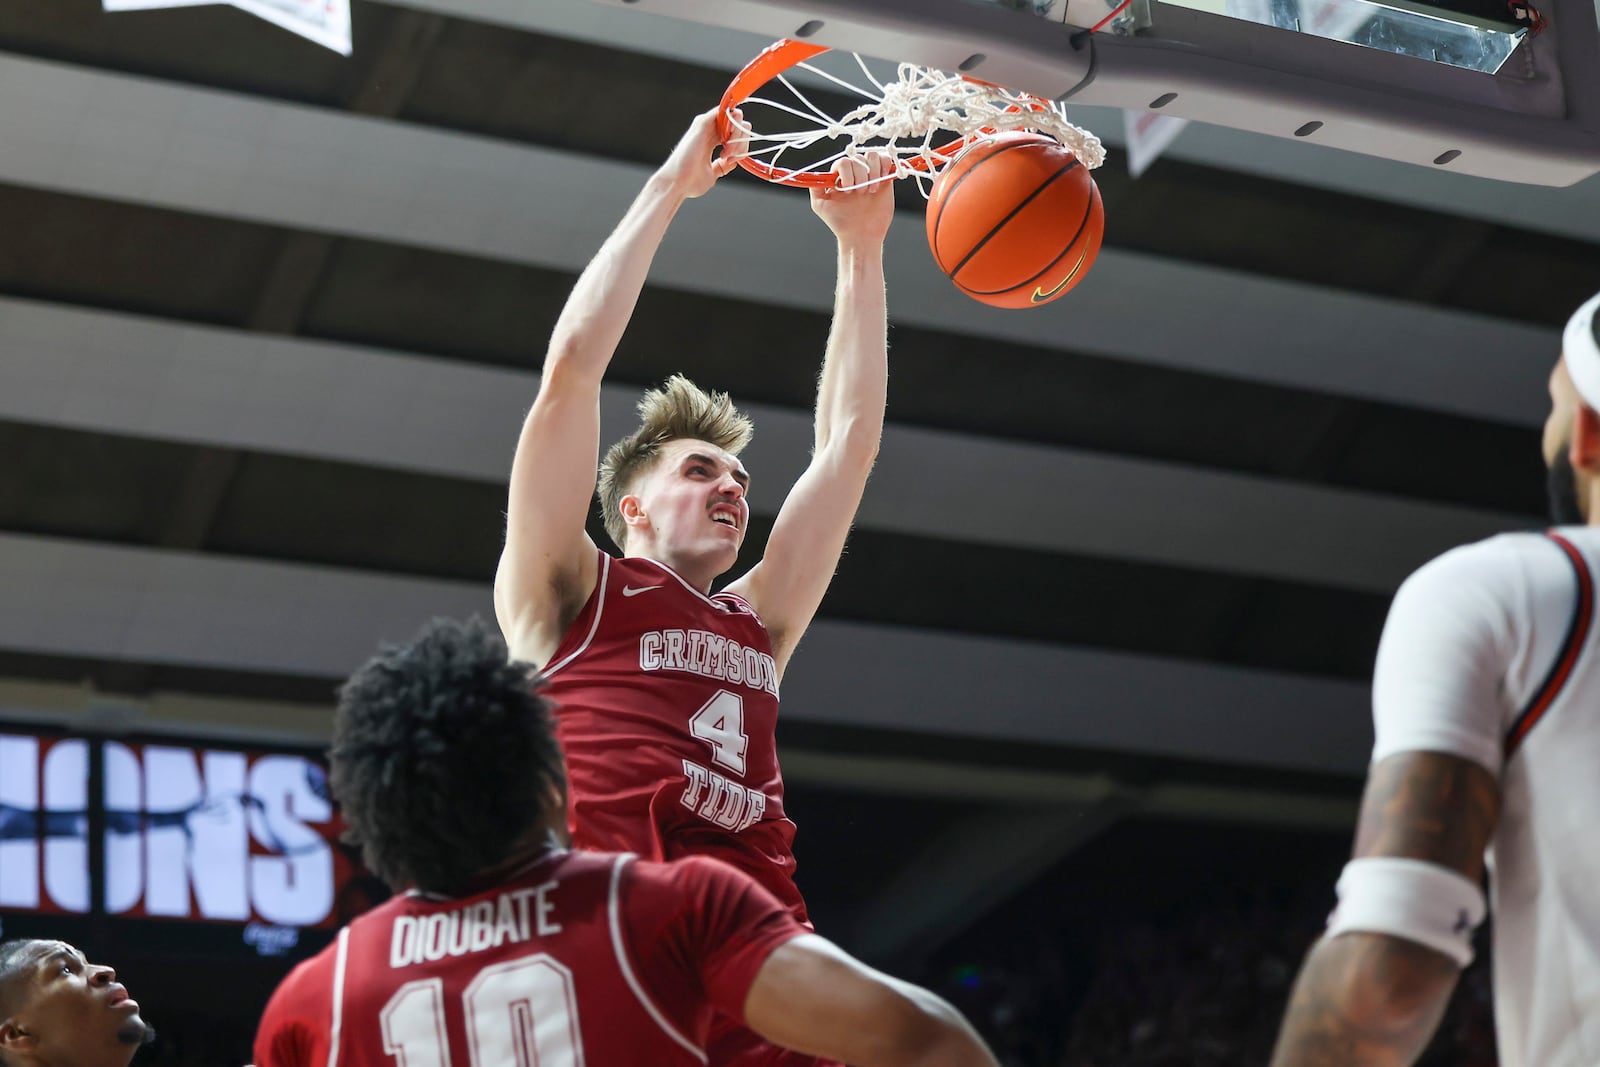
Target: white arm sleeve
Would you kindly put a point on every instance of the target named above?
(1448, 646)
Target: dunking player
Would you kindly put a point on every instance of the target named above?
(1487, 706)
(59, 1010)
(511, 950)
(667, 696)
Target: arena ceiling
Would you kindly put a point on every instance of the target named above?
(269, 319)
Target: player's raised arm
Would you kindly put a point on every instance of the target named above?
(814, 998)
(1373, 989)
(548, 567)
(803, 550)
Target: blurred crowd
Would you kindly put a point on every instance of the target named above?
(1203, 990)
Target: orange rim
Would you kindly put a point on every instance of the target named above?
(774, 60)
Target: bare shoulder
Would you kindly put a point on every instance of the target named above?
(745, 585)
(749, 588)
(536, 610)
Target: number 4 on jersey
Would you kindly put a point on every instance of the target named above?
(720, 724)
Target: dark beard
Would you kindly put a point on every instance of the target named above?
(1562, 485)
(136, 1032)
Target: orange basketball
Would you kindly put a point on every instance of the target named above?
(1015, 220)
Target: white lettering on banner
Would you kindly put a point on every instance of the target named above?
(710, 656)
(66, 856)
(19, 796)
(18, 803)
(720, 800)
(514, 916)
(295, 887)
(180, 825)
(125, 853)
(203, 854)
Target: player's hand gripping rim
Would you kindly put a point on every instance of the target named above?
(859, 205)
(702, 157)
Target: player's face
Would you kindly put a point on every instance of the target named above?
(694, 501)
(1566, 506)
(71, 1011)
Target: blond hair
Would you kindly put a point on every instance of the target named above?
(678, 410)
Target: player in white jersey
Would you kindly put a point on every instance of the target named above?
(1486, 700)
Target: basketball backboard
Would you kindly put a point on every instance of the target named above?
(1449, 84)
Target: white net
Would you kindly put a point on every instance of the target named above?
(911, 117)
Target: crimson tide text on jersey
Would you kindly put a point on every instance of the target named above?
(667, 709)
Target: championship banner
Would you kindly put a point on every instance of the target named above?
(242, 841)
(327, 22)
(1148, 135)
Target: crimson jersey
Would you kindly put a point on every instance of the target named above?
(667, 706)
(581, 958)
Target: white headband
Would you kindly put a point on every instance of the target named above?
(1580, 345)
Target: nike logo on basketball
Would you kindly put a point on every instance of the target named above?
(1040, 296)
(628, 590)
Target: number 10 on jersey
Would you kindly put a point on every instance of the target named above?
(518, 1014)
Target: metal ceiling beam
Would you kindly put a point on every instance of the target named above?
(150, 378)
(79, 708)
(141, 141)
(385, 74)
(1573, 211)
(1232, 72)
(71, 598)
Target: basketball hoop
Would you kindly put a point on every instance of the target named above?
(923, 117)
